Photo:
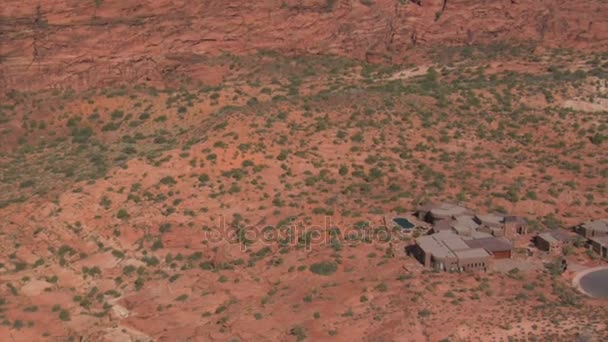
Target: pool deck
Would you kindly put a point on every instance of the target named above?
(576, 281)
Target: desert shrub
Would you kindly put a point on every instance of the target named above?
(27, 184)
(424, 313)
(165, 227)
(324, 267)
(81, 135)
(123, 214)
(111, 126)
(182, 298)
(168, 180)
(299, 332)
(283, 155)
(117, 114)
(32, 308)
(203, 178)
(598, 139)
(158, 244)
(105, 202)
(64, 315)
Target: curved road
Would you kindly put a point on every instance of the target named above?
(593, 282)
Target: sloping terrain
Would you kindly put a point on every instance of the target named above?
(134, 212)
(212, 171)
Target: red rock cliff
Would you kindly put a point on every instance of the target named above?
(84, 43)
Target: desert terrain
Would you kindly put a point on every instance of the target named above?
(220, 170)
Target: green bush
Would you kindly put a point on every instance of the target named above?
(203, 178)
(324, 267)
(299, 332)
(64, 315)
(123, 214)
(168, 180)
(424, 313)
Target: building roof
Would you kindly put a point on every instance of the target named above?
(597, 225)
(464, 225)
(442, 225)
(447, 210)
(436, 247)
(548, 237)
(492, 244)
(602, 240)
(516, 219)
(461, 229)
(446, 244)
(455, 243)
(562, 235)
(468, 221)
(491, 219)
(480, 235)
(472, 253)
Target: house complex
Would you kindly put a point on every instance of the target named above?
(461, 240)
(453, 216)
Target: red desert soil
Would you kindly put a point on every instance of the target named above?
(145, 146)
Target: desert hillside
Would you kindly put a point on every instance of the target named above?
(224, 170)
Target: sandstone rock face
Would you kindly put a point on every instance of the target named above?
(80, 44)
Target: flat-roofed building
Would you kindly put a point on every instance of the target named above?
(443, 225)
(515, 225)
(447, 251)
(553, 241)
(478, 235)
(473, 259)
(490, 220)
(447, 211)
(547, 242)
(434, 212)
(498, 232)
(595, 228)
(465, 225)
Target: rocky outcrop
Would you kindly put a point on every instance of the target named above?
(86, 43)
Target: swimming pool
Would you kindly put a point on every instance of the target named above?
(404, 223)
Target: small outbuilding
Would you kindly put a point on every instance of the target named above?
(548, 243)
(553, 241)
(515, 225)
